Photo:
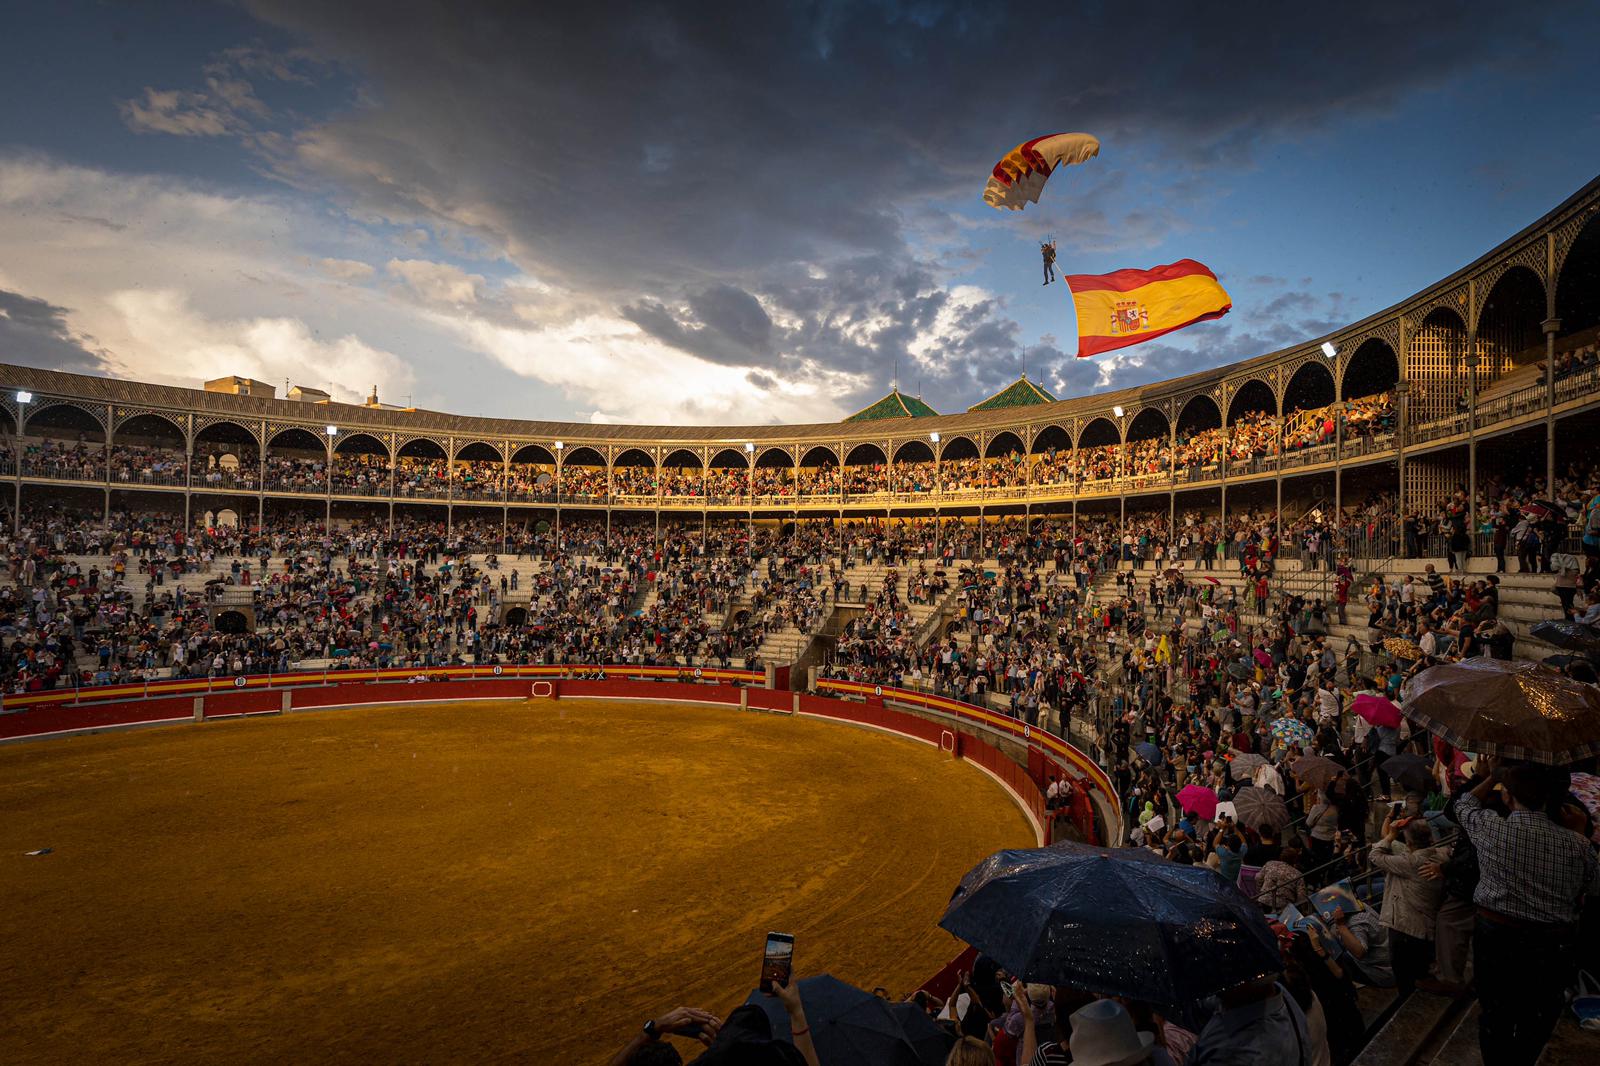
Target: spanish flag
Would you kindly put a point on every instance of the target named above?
(1129, 306)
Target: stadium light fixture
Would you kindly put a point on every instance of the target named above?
(1117, 411)
(1329, 350)
(934, 437)
(559, 446)
(330, 430)
(24, 396)
(748, 447)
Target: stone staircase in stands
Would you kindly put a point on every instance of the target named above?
(1430, 1030)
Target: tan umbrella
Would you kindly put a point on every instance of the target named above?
(1315, 771)
(1514, 710)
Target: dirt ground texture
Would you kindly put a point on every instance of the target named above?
(478, 881)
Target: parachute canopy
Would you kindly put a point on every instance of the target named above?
(1019, 178)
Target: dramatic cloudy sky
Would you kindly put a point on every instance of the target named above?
(743, 212)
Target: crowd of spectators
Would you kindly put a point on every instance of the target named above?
(1252, 437)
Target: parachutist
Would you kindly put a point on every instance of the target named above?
(1048, 250)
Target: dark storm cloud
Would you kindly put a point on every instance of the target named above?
(680, 160)
(35, 333)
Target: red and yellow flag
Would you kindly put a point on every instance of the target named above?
(1129, 306)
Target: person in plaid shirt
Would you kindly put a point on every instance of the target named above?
(1534, 875)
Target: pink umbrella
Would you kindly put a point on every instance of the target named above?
(1199, 799)
(1377, 710)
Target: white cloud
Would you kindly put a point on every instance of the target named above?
(614, 372)
(159, 291)
(184, 114)
(346, 269)
(193, 347)
(437, 282)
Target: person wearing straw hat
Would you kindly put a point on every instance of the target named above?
(1103, 1034)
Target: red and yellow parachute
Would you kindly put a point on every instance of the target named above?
(1019, 177)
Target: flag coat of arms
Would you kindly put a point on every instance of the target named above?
(1129, 306)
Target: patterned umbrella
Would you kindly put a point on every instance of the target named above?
(1587, 788)
(1243, 767)
(1514, 710)
(1260, 808)
(1292, 731)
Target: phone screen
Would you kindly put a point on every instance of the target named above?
(777, 962)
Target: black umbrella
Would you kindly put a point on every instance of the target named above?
(1116, 922)
(1411, 771)
(1561, 662)
(1573, 636)
(931, 1040)
(847, 1024)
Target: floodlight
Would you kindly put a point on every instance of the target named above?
(934, 437)
(24, 396)
(332, 431)
(1117, 411)
(1329, 350)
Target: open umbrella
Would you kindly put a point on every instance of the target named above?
(1515, 710)
(1118, 923)
(1292, 731)
(1401, 648)
(1587, 788)
(1573, 636)
(1199, 799)
(1260, 808)
(1377, 710)
(1314, 771)
(847, 1024)
(1149, 753)
(1411, 771)
(931, 1042)
(1239, 670)
(1565, 659)
(1243, 767)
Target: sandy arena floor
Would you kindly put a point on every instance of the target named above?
(477, 881)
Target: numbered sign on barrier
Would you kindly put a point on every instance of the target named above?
(877, 690)
(240, 682)
(698, 671)
(498, 671)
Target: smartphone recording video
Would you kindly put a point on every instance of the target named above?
(777, 962)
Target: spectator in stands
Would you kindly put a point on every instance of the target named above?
(1256, 1025)
(1410, 898)
(1534, 875)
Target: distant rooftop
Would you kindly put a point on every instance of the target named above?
(894, 405)
(1020, 393)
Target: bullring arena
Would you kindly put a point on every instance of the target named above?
(545, 725)
(427, 882)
